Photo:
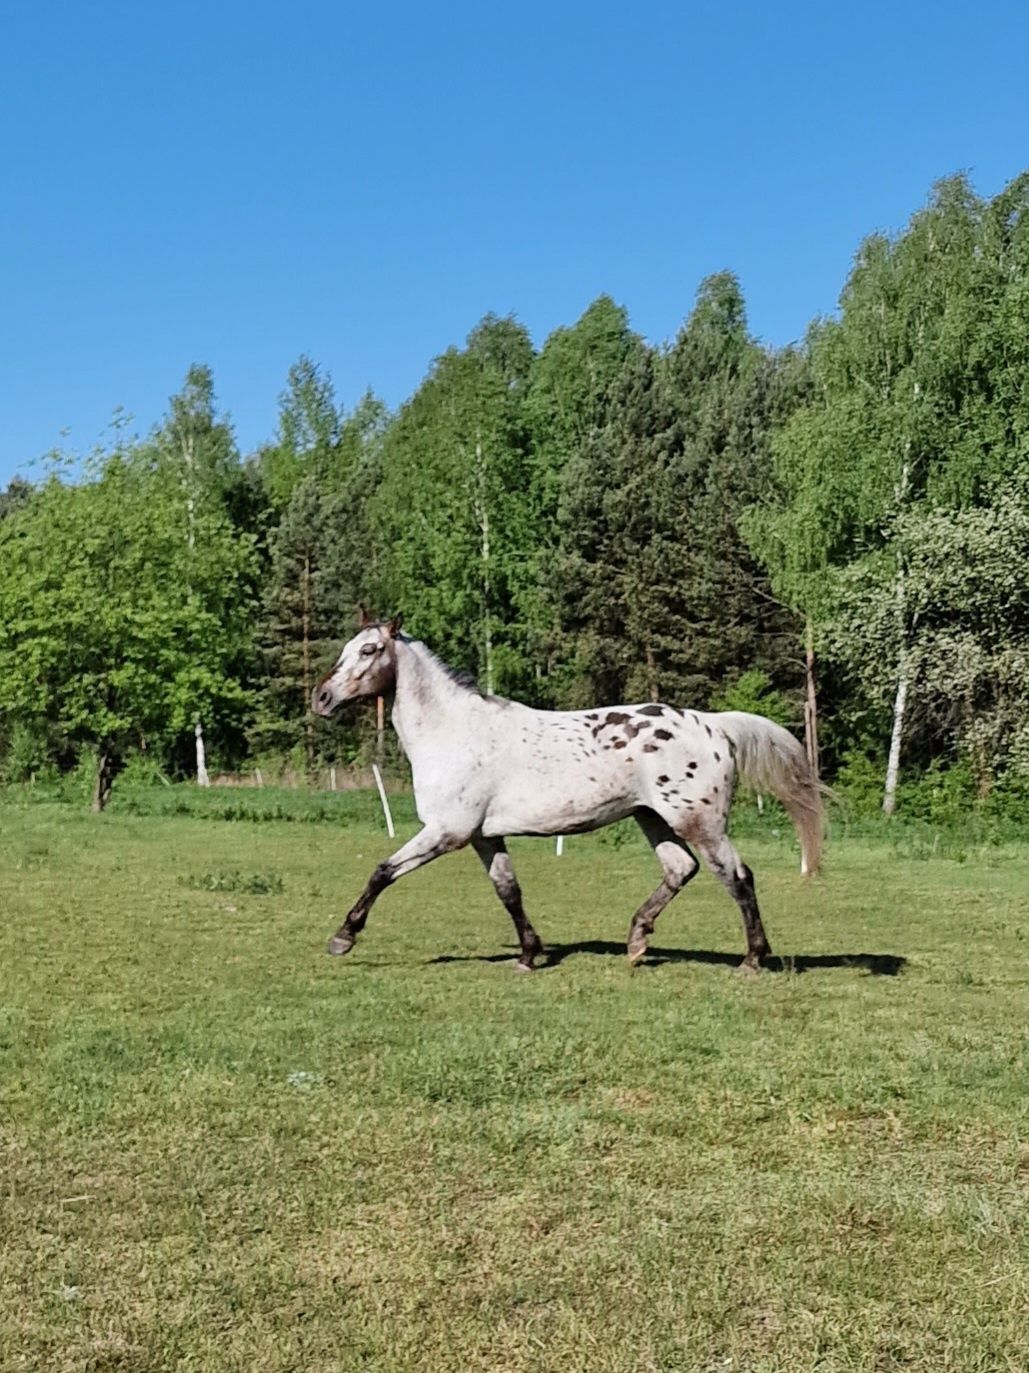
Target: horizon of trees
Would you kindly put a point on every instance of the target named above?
(835, 534)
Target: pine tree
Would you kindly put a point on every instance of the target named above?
(729, 393)
(566, 408)
(295, 629)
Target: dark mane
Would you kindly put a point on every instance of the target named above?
(465, 680)
(458, 675)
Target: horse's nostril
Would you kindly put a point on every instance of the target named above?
(324, 698)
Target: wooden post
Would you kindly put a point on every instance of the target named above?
(104, 777)
(648, 654)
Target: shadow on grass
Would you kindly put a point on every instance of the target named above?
(876, 964)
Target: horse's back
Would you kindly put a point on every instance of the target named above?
(562, 772)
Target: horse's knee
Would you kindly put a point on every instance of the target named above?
(677, 874)
(507, 887)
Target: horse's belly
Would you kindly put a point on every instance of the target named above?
(561, 815)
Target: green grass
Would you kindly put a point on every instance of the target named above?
(223, 1150)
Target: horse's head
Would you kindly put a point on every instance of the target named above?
(367, 666)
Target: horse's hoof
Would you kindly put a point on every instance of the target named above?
(748, 969)
(338, 945)
(636, 952)
(522, 967)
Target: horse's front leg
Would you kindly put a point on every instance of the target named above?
(422, 849)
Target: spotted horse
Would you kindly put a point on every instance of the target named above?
(485, 768)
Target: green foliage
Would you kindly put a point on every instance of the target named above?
(113, 628)
(262, 805)
(653, 586)
(899, 524)
(965, 629)
(859, 781)
(753, 691)
(143, 770)
(232, 880)
(28, 750)
(309, 433)
(453, 506)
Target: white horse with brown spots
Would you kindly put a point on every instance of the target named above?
(485, 768)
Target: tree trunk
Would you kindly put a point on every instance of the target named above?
(307, 684)
(893, 763)
(482, 513)
(202, 778)
(105, 770)
(652, 682)
(900, 700)
(810, 699)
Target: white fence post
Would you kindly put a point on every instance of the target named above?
(385, 804)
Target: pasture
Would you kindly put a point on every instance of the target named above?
(223, 1150)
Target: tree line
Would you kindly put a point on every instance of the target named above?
(835, 534)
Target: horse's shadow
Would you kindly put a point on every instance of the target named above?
(875, 964)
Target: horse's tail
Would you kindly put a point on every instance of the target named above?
(769, 758)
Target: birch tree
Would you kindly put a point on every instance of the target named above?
(197, 450)
(890, 381)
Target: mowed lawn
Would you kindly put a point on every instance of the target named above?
(222, 1149)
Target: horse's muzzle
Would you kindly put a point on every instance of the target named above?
(323, 702)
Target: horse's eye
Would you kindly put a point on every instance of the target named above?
(368, 650)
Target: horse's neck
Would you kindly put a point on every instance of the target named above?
(425, 699)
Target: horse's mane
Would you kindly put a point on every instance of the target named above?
(462, 678)
(459, 676)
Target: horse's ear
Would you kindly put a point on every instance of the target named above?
(363, 618)
(394, 625)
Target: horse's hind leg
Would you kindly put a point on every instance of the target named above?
(678, 864)
(738, 879)
(497, 862)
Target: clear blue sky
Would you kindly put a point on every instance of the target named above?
(239, 183)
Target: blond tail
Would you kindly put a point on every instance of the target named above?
(769, 758)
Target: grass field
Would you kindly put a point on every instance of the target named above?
(223, 1150)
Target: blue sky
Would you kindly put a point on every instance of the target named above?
(240, 183)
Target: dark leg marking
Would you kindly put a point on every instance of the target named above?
(678, 864)
(345, 937)
(758, 946)
(422, 849)
(738, 879)
(494, 856)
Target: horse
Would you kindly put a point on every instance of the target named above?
(485, 768)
